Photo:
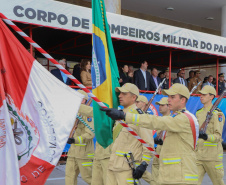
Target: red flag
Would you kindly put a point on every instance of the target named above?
(40, 109)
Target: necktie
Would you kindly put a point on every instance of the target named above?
(182, 81)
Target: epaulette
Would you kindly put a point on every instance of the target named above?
(140, 111)
(218, 109)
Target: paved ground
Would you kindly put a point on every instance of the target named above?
(58, 175)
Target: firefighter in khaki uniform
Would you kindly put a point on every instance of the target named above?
(85, 110)
(141, 103)
(177, 162)
(81, 153)
(119, 171)
(100, 164)
(209, 150)
(165, 111)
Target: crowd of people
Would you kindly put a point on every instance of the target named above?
(143, 78)
(186, 153)
(149, 81)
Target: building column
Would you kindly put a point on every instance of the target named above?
(113, 6)
(223, 33)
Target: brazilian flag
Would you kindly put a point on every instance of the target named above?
(104, 72)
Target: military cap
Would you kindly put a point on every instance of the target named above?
(177, 89)
(221, 75)
(167, 70)
(84, 93)
(163, 101)
(207, 89)
(142, 98)
(128, 87)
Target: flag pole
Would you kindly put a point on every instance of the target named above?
(45, 54)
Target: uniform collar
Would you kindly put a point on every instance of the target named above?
(130, 107)
(182, 110)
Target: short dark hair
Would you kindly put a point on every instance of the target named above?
(191, 72)
(154, 68)
(143, 61)
(210, 76)
(181, 96)
(195, 72)
(213, 95)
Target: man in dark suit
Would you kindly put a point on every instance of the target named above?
(154, 80)
(142, 77)
(180, 79)
(60, 75)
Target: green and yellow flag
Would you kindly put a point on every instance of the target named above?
(105, 73)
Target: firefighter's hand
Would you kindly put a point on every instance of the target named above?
(203, 135)
(70, 141)
(158, 141)
(138, 173)
(114, 114)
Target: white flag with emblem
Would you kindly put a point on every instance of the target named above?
(37, 114)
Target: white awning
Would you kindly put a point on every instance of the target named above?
(65, 16)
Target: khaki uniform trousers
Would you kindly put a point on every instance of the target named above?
(147, 176)
(74, 166)
(99, 173)
(213, 169)
(154, 174)
(120, 177)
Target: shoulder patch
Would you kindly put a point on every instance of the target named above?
(89, 119)
(220, 118)
(140, 111)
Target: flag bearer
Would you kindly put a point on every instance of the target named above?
(209, 149)
(165, 111)
(177, 162)
(119, 170)
(81, 153)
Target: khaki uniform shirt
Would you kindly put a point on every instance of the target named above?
(211, 149)
(83, 147)
(126, 142)
(177, 157)
(86, 78)
(101, 153)
(86, 110)
(159, 148)
(193, 82)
